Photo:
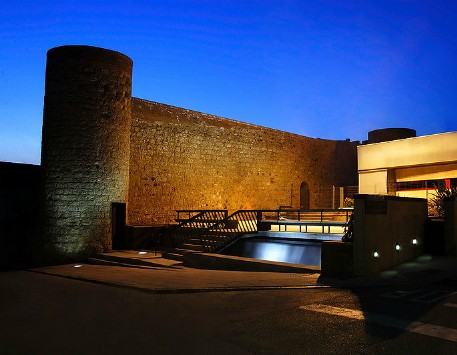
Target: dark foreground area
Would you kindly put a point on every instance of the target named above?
(169, 309)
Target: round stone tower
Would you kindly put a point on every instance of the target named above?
(85, 148)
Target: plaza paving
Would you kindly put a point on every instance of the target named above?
(127, 302)
(150, 271)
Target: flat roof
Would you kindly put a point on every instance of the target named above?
(416, 151)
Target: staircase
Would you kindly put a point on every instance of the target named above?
(186, 235)
(178, 253)
(210, 231)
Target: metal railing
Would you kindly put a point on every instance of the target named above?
(224, 232)
(191, 227)
(215, 229)
(193, 213)
(321, 215)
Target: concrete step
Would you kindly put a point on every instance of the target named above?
(98, 261)
(173, 256)
(194, 247)
(133, 257)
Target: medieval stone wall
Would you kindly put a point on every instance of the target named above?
(100, 146)
(182, 159)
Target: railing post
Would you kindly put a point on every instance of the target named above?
(341, 197)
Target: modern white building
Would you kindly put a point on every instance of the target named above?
(410, 167)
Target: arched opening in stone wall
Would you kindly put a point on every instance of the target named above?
(304, 195)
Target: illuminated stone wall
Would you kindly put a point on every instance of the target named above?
(182, 159)
(85, 148)
(101, 146)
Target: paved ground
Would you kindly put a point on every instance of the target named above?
(156, 306)
(156, 274)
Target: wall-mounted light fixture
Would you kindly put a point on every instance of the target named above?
(414, 241)
(376, 254)
(397, 247)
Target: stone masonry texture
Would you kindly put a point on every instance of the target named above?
(85, 147)
(101, 146)
(182, 159)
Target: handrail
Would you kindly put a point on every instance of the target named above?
(224, 232)
(190, 228)
(218, 236)
(215, 228)
(190, 211)
(297, 213)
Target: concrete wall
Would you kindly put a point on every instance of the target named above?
(413, 159)
(85, 149)
(337, 258)
(373, 182)
(410, 152)
(450, 226)
(382, 222)
(182, 159)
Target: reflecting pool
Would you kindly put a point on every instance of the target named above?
(285, 247)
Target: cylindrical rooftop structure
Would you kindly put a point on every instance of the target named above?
(390, 134)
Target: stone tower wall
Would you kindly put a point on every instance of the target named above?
(85, 147)
(182, 159)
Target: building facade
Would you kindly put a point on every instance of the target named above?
(410, 167)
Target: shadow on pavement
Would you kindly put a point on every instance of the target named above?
(412, 297)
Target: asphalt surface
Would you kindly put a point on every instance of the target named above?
(144, 304)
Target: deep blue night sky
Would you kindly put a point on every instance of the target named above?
(327, 69)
